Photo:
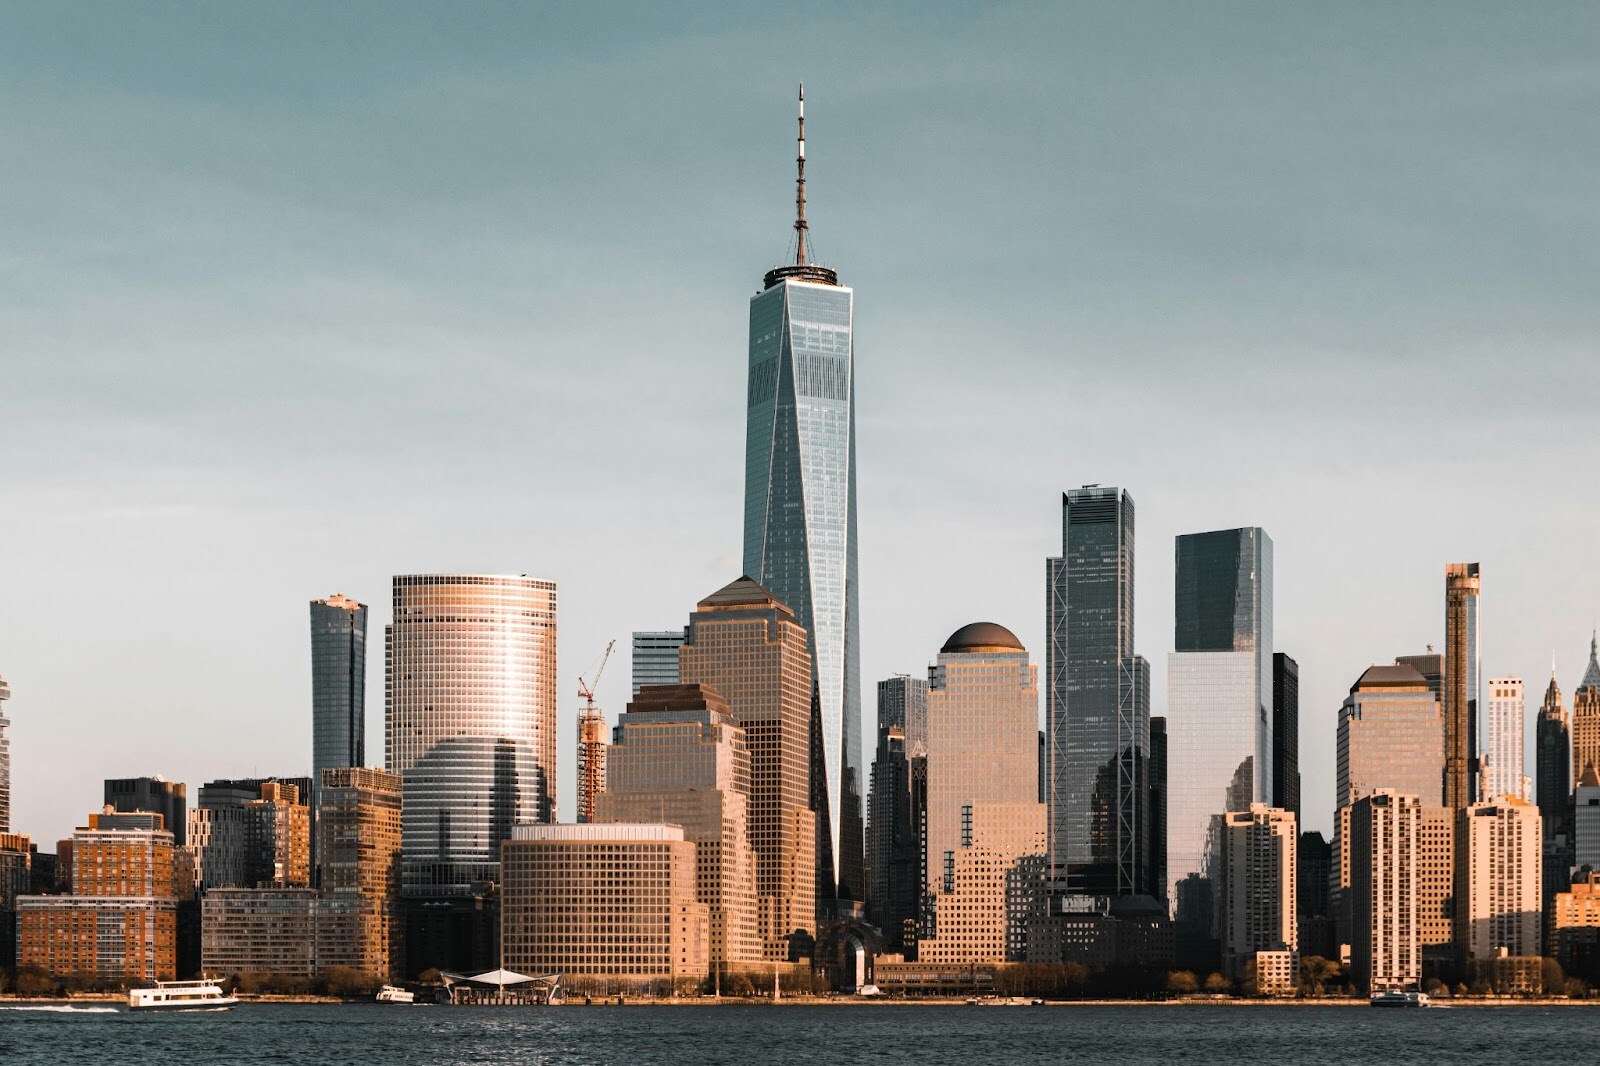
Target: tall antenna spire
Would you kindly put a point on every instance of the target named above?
(800, 226)
(802, 269)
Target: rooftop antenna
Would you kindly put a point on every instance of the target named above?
(800, 226)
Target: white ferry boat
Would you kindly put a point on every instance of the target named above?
(391, 994)
(180, 995)
(1395, 997)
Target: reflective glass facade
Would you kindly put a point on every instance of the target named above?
(800, 520)
(1219, 696)
(470, 724)
(655, 658)
(1097, 704)
(338, 686)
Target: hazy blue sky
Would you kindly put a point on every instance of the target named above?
(294, 300)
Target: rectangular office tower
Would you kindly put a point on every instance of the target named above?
(166, 798)
(800, 509)
(655, 657)
(1219, 706)
(338, 686)
(1502, 764)
(1097, 710)
(1462, 585)
(1286, 733)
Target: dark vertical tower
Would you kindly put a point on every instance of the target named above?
(1553, 740)
(1286, 734)
(166, 798)
(894, 860)
(1461, 587)
(1158, 807)
(338, 687)
(800, 512)
(1097, 703)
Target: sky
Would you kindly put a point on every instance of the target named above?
(294, 299)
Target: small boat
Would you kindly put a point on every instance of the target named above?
(1395, 997)
(180, 995)
(392, 994)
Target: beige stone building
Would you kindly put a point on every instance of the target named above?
(749, 648)
(1436, 884)
(1259, 889)
(1391, 736)
(358, 858)
(1499, 880)
(977, 910)
(603, 902)
(982, 816)
(679, 758)
(1386, 944)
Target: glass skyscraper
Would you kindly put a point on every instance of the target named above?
(471, 720)
(800, 513)
(655, 657)
(1219, 701)
(338, 687)
(1097, 704)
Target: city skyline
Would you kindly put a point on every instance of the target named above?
(127, 503)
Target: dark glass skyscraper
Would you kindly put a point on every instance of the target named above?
(1219, 699)
(800, 511)
(338, 686)
(1097, 709)
(1553, 788)
(1286, 734)
(166, 798)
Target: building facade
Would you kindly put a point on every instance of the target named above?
(166, 798)
(981, 823)
(470, 720)
(1219, 706)
(903, 702)
(1462, 585)
(1286, 734)
(1586, 717)
(338, 687)
(1502, 764)
(1386, 946)
(894, 861)
(1391, 735)
(749, 648)
(679, 758)
(604, 902)
(120, 922)
(358, 868)
(655, 657)
(1259, 887)
(1097, 704)
(800, 510)
(1553, 787)
(1500, 881)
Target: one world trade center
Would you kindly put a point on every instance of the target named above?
(800, 517)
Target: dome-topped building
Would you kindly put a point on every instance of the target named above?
(980, 637)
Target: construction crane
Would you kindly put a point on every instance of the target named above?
(591, 741)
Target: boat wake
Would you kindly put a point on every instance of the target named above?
(47, 1009)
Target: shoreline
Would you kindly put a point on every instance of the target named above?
(102, 998)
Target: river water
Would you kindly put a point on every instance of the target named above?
(879, 1035)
